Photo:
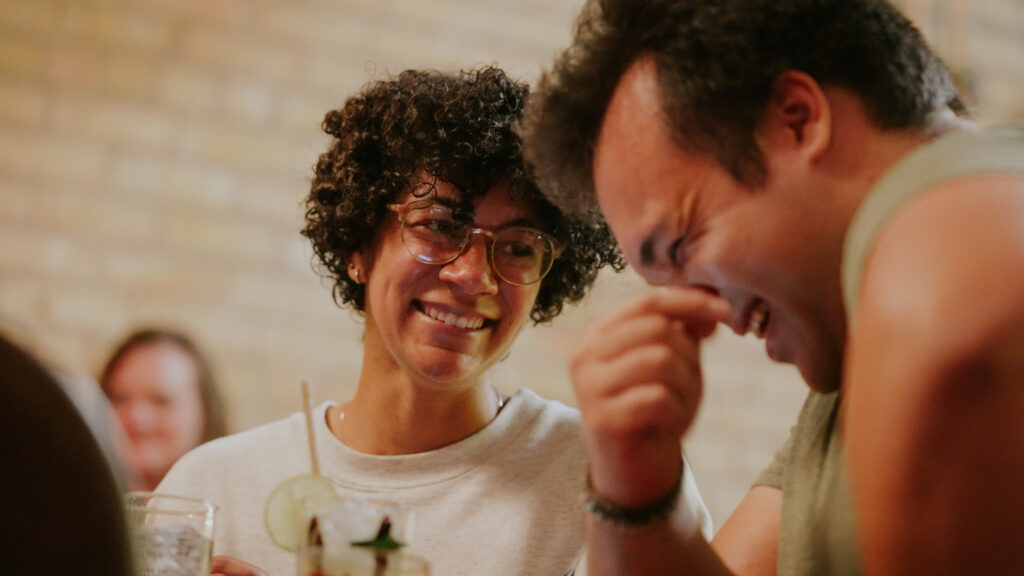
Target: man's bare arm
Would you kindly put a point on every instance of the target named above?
(935, 385)
(638, 381)
(748, 542)
(745, 546)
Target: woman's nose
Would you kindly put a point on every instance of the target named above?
(472, 270)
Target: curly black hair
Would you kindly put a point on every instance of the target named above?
(457, 128)
(716, 62)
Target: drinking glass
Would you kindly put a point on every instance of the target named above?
(358, 537)
(171, 535)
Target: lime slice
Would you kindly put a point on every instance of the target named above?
(289, 503)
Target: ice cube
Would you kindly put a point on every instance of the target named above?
(177, 550)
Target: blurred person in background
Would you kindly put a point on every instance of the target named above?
(36, 337)
(62, 509)
(423, 218)
(163, 391)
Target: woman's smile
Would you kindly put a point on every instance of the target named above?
(464, 320)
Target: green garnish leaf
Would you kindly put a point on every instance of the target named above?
(383, 540)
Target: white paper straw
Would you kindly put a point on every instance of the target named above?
(307, 407)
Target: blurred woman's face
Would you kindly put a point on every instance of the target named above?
(154, 389)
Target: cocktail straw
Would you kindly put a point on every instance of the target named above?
(307, 407)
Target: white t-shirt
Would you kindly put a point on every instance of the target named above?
(505, 500)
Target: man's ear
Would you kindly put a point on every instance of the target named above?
(798, 116)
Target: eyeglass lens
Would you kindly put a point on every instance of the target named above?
(519, 255)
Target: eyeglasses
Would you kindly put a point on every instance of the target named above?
(519, 255)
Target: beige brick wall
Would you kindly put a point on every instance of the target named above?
(153, 154)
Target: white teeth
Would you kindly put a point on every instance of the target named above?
(452, 319)
(758, 319)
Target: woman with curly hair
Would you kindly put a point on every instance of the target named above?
(423, 217)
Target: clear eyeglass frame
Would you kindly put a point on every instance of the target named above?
(550, 247)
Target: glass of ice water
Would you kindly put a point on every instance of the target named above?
(171, 535)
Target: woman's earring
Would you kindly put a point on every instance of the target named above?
(355, 273)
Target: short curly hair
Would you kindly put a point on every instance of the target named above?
(717, 61)
(458, 128)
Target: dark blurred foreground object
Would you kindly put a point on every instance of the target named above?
(60, 505)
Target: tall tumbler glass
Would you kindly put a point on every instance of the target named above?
(357, 537)
(171, 535)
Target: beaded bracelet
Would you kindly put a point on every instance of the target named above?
(640, 517)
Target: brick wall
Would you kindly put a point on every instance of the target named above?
(153, 154)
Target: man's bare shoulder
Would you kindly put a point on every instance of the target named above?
(948, 270)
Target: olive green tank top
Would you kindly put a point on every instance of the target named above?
(817, 535)
(966, 153)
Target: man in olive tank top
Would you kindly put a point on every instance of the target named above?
(802, 170)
